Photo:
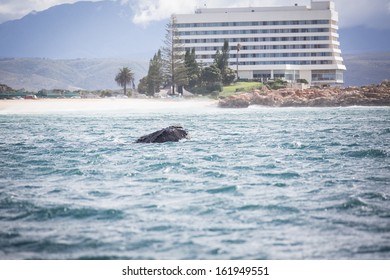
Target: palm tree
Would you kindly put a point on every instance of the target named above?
(238, 49)
(124, 77)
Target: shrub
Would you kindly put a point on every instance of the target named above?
(214, 87)
(276, 84)
(302, 81)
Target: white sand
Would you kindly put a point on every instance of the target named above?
(43, 106)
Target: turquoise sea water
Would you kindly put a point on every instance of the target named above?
(256, 183)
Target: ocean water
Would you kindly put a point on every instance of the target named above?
(256, 183)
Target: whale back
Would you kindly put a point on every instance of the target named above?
(169, 134)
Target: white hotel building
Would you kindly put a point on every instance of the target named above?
(291, 42)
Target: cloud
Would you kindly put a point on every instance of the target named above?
(13, 9)
(369, 13)
(155, 10)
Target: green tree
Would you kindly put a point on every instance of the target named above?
(124, 77)
(229, 77)
(222, 62)
(211, 75)
(193, 69)
(155, 75)
(143, 85)
(212, 78)
(173, 57)
(151, 83)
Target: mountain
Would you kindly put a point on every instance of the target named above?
(362, 39)
(366, 68)
(98, 73)
(81, 30)
(92, 74)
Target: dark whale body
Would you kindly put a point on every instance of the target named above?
(168, 134)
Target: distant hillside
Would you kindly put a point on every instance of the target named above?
(35, 73)
(81, 30)
(364, 40)
(366, 68)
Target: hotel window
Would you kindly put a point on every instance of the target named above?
(323, 75)
(262, 74)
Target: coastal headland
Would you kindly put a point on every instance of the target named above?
(372, 95)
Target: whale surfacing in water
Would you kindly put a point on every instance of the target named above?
(169, 134)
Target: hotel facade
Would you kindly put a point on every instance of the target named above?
(290, 43)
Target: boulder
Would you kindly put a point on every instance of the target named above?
(239, 101)
(372, 95)
(168, 134)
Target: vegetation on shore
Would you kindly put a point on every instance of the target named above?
(239, 87)
(244, 94)
(124, 78)
(177, 70)
(7, 92)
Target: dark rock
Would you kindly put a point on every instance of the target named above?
(234, 102)
(168, 134)
(373, 95)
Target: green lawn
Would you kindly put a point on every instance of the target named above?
(240, 86)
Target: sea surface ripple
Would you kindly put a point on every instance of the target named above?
(258, 183)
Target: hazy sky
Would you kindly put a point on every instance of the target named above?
(371, 13)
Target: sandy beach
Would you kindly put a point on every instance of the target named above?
(42, 106)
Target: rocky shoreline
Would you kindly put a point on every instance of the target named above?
(373, 95)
